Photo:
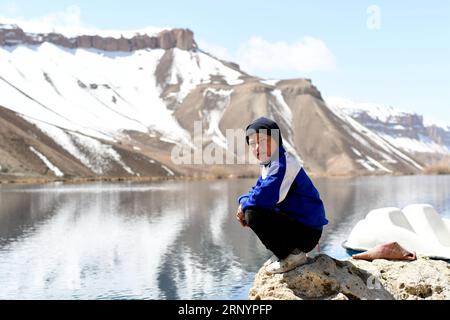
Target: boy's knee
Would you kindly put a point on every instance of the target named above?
(254, 217)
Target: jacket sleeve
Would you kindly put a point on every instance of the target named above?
(244, 197)
(267, 193)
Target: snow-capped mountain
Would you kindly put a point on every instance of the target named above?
(403, 129)
(93, 106)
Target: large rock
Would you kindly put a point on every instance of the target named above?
(168, 39)
(420, 279)
(176, 38)
(325, 278)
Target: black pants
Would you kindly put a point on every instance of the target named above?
(280, 233)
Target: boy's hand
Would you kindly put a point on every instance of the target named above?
(240, 215)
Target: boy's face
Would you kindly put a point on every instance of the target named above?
(262, 146)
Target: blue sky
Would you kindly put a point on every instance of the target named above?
(389, 52)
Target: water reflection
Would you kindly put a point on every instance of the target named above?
(168, 240)
(164, 241)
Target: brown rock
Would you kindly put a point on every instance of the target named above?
(84, 42)
(389, 251)
(411, 280)
(60, 40)
(177, 38)
(124, 44)
(139, 42)
(168, 39)
(324, 278)
(184, 39)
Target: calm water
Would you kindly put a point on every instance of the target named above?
(165, 240)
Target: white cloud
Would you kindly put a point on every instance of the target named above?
(69, 19)
(308, 55)
(9, 8)
(257, 56)
(67, 22)
(215, 50)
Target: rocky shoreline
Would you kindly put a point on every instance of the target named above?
(75, 180)
(324, 278)
(84, 180)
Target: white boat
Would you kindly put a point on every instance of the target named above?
(418, 227)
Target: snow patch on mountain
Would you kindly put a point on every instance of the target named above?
(169, 172)
(47, 162)
(405, 130)
(368, 137)
(78, 89)
(92, 153)
(270, 82)
(191, 68)
(424, 144)
(219, 100)
(383, 113)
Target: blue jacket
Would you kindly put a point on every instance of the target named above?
(284, 186)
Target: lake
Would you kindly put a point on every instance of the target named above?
(165, 240)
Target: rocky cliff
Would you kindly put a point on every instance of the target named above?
(12, 35)
(405, 130)
(406, 125)
(324, 278)
(439, 135)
